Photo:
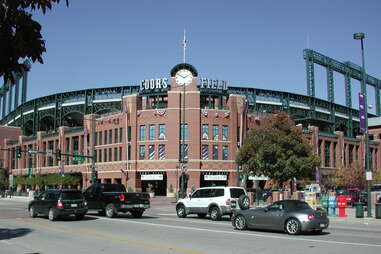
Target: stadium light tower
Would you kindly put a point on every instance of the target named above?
(368, 172)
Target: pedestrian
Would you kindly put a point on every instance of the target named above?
(10, 192)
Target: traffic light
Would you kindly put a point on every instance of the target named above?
(18, 151)
(58, 155)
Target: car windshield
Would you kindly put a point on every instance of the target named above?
(71, 195)
(236, 192)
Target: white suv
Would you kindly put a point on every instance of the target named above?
(215, 201)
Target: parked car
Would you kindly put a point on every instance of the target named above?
(110, 199)
(58, 203)
(213, 201)
(291, 216)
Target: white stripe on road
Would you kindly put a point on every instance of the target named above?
(247, 234)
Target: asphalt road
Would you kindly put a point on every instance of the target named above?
(161, 231)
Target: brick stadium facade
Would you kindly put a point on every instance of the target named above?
(141, 144)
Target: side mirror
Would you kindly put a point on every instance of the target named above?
(190, 195)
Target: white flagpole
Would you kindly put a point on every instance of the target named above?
(184, 46)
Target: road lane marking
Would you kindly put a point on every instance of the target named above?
(107, 237)
(247, 234)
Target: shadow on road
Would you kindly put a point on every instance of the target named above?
(6, 233)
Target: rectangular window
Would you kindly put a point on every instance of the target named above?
(115, 154)
(105, 155)
(142, 152)
(142, 133)
(205, 132)
(100, 138)
(110, 136)
(151, 152)
(129, 153)
(105, 138)
(215, 152)
(225, 133)
(115, 135)
(120, 154)
(327, 154)
(215, 132)
(184, 132)
(96, 139)
(121, 135)
(225, 152)
(152, 132)
(205, 152)
(184, 152)
(109, 154)
(96, 155)
(162, 132)
(162, 154)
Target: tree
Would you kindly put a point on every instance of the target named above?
(20, 35)
(278, 150)
(352, 176)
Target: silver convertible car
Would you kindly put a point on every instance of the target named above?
(291, 216)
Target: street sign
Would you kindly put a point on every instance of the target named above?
(49, 153)
(78, 158)
(31, 151)
(10, 180)
(184, 169)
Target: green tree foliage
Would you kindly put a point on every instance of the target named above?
(277, 150)
(352, 176)
(377, 177)
(20, 35)
(52, 179)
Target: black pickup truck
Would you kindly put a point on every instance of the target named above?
(110, 199)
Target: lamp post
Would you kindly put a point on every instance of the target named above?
(368, 172)
(93, 171)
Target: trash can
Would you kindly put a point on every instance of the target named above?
(324, 203)
(378, 210)
(359, 210)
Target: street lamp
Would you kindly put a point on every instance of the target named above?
(368, 173)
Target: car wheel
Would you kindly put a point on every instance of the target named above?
(110, 210)
(215, 213)
(32, 212)
(180, 210)
(240, 222)
(244, 202)
(292, 226)
(52, 215)
(201, 215)
(79, 216)
(137, 214)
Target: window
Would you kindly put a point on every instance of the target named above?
(142, 133)
(151, 152)
(121, 135)
(105, 155)
(327, 154)
(205, 193)
(162, 154)
(225, 152)
(238, 134)
(184, 132)
(215, 152)
(152, 132)
(96, 139)
(184, 151)
(162, 132)
(115, 154)
(142, 152)
(225, 133)
(110, 136)
(215, 132)
(205, 152)
(120, 154)
(205, 132)
(105, 138)
(115, 135)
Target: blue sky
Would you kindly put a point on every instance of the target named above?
(248, 43)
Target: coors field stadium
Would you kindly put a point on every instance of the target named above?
(179, 130)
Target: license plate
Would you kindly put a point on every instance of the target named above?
(322, 225)
(74, 205)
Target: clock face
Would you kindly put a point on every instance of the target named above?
(184, 77)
